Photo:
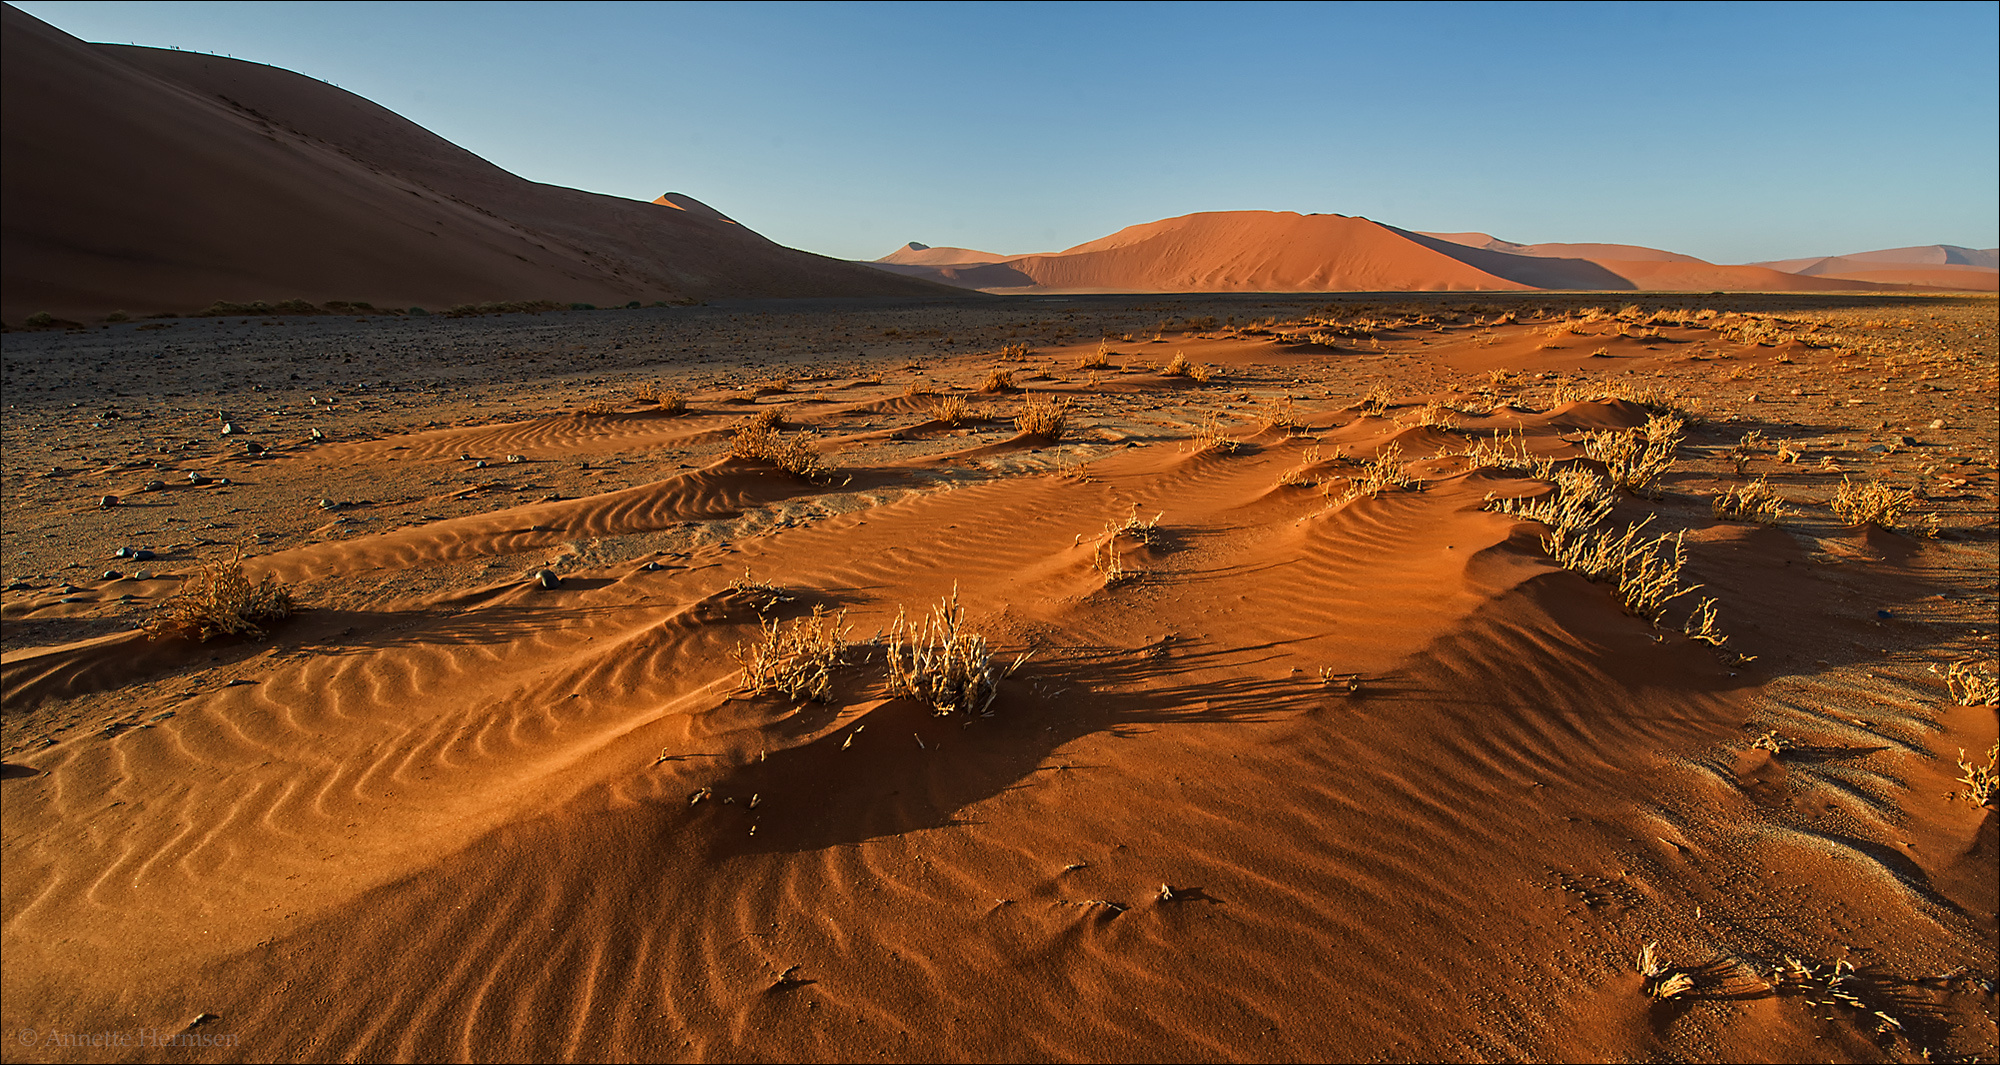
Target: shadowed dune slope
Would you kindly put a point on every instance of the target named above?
(145, 180)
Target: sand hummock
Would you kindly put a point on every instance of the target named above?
(1292, 772)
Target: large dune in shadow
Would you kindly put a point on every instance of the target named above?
(1280, 251)
(146, 180)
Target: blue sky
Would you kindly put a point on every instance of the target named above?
(1735, 132)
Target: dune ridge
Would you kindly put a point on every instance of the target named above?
(1280, 251)
(148, 180)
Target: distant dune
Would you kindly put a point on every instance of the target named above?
(145, 180)
(914, 254)
(1279, 251)
(1925, 266)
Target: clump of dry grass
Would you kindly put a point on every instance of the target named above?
(1436, 415)
(1580, 501)
(1969, 686)
(1877, 503)
(219, 599)
(999, 381)
(668, 400)
(1015, 351)
(1502, 451)
(1097, 360)
(1702, 627)
(1982, 782)
(944, 665)
(1104, 556)
(1181, 366)
(1281, 413)
(1209, 436)
(796, 455)
(1662, 981)
(763, 595)
(952, 410)
(1043, 417)
(795, 660)
(1383, 472)
(1756, 501)
(1378, 401)
(1645, 570)
(1635, 458)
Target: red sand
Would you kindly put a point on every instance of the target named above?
(447, 814)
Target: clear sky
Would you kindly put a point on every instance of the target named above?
(1735, 132)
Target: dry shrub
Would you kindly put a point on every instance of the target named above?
(1176, 366)
(795, 456)
(1209, 436)
(940, 663)
(1756, 501)
(1503, 451)
(1969, 686)
(999, 381)
(1635, 458)
(1281, 413)
(1043, 417)
(763, 595)
(220, 600)
(1377, 402)
(1105, 558)
(1437, 415)
(795, 660)
(1580, 501)
(1877, 503)
(1982, 782)
(1646, 571)
(1015, 351)
(952, 410)
(668, 400)
(1379, 475)
(1661, 981)
(1097, 360)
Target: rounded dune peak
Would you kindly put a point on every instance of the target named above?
(915, 254)
(681, 201)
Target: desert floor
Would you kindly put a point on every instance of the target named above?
(1303, 763)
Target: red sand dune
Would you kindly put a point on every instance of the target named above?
(1926, 266)
(1620, 252)
(447, 813)
(144, 180)
(915, 254)
(1279, 251)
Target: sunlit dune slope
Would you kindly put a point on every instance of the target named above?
(1279, 251)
